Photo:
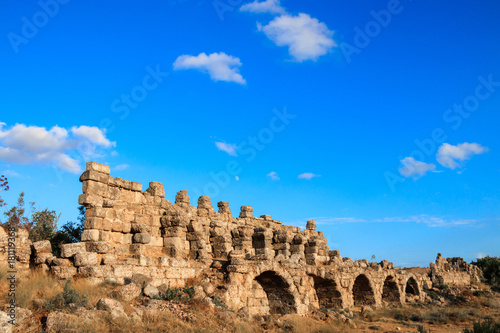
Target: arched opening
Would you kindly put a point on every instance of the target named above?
(390, 291)
(328, 294)
(412, 287)
(279, 297)
(362, 291)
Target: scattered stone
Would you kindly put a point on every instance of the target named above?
(151, 291)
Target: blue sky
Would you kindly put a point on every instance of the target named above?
(377, 118)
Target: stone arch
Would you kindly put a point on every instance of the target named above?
(390, 290)
(362, 291)
(279, 296)
(327, 292)
(411, 288)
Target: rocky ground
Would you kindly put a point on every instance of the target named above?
(45, 305)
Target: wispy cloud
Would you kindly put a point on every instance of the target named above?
(121, 167)
(431, 221)
(22, 144)
(450, 156)
(413, 168)
(268, 6)
(273, 175)
(11, 173)
(220, 66)
(306, 38)
(308, 176)
(229, 148)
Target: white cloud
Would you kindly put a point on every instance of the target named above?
(413, 168)
(92, 135)
(11, 173)
(450, 156)
(481, 255)
(308, 175)
(229, 148)
(220, 66)
(121, 167)
(267, 6)
(273, 175)
(23, 144)
(306, 37)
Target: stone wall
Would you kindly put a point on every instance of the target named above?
(253, 264)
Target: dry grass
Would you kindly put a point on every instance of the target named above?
(36, 285)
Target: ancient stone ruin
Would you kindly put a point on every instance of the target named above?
(252, 264)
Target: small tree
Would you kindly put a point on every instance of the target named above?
(44, 225)
(71, 232)
(4, 186)
(15, 215)
(491, 270)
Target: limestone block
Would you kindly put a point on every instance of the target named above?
(156, 241)
(156, 189)
(42, 247)
(95, 176)
(96, 188)
(90, 235)
(126, 227)
(63, 272)
(106, 224)
(69, 250)
(113, 193)
(142, 228)
(104, 236)
(86, 259)
(42, 258)
(142, 238)
(117, 237)
(151, 291)
(129, 292)
(96, 271)
(182, 197)
(95, 212)
(137, 187)
(97, 247)
(90, 200)
(224, 207)
(246, 211)
(117, 226)
(127, 238)
(99, 167)
(93, 223)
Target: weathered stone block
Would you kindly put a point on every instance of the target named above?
(96, 188)
(69, 250)
(63, 272)
(142, 238)
(42, 258)
(99, 167)
(42, 247)
(126, 227)
(90, 235)
(86, 259)
(61, 262)
(140, 228)
(97, 247)
(136, 187)
(156, 189)
(93, 223)
(117, 226)
(90, 200)
(246, 211)
(95, 176)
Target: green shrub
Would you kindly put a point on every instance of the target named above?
(491, 271)
(65, 298)
(486, 326)
(442, 286)
(177, 294)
